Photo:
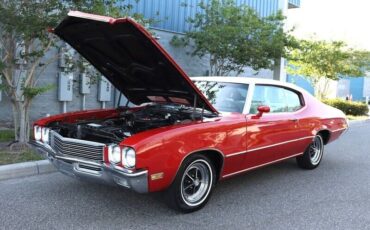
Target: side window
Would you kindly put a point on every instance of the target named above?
(293, 101)
(277, 98)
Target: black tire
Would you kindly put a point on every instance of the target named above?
(313, 154)
(192, 178)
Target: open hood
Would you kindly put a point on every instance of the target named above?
(130, 58)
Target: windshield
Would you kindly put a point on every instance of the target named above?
(123, 102)
(225, 97)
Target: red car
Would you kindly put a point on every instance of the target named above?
(174, 134)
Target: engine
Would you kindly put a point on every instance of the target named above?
(129, 122)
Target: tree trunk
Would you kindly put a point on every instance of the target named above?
(212, 66)
(315, 84)
(15, 120)
(21, 125)
(324, 91)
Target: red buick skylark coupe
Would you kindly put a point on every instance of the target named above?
(173, 133)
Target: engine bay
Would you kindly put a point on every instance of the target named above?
(128, 123)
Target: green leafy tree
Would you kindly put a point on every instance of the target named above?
(24, 41)
(321, 61)
(235, 37)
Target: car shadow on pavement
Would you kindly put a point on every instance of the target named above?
(226, 192)
(56, 198)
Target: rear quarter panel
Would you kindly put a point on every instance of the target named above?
(321, 117)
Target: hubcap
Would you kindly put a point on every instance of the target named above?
(315, 150)
(196, 182)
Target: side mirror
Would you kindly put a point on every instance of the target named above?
(262, 109)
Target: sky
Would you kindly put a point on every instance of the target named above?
(347, 20)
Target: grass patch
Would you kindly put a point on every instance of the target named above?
(6, 135)
(357, 118)
(11, 158)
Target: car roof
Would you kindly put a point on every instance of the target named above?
(246, 80)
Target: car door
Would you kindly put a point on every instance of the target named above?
(275, 135)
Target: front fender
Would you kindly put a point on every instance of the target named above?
(163, 150)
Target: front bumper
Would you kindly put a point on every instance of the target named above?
(93, 171)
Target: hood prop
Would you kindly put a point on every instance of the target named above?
(194, 106)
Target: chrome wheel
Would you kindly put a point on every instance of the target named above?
(196, 182)
(316, 150)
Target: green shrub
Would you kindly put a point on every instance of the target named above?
(348, 107)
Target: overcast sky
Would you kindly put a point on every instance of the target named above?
(347, 20)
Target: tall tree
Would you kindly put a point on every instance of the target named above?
(24, 41)
(320, 61)
(235, 37)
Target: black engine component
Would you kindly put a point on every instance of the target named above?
(129, 122)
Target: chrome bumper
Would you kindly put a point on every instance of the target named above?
(93, 171)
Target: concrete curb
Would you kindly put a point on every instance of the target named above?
(26, 169)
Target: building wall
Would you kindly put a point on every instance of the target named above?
(366, 89)
(172, 15)
(193, 66)
(301, 82)
(358, 87)
(47, 103)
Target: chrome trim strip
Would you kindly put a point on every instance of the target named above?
(261, 165)
(76, 167)
(78, 160)
(237, 153)
(337, 130)
(97, 144)
(248, 99)
(133, 174)
(267, 146)
(118, 169)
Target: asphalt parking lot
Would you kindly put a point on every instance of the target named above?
(334, 196)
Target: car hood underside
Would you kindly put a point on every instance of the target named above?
(130, 58)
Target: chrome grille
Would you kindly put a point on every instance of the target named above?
(69, 147)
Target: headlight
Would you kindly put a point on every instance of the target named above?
(114, 154)
(37, 131)
(128, 157)
(45, 135)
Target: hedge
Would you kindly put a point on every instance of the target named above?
(348, 107)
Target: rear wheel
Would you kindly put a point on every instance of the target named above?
(193, 184)
(313, 154)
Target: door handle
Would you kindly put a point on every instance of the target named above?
(293, 120)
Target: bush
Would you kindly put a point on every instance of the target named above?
(348, 107)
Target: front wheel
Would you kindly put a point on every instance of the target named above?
(313, 154)
(193, 184)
